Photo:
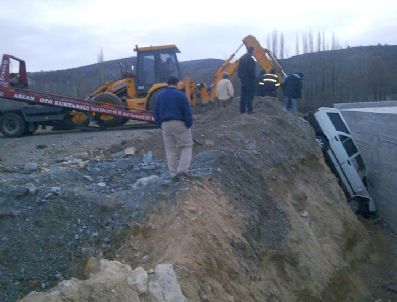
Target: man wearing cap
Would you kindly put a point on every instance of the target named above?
(224, 90)
(247, 75)
(292, 90)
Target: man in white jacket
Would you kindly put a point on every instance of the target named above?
(224, 90)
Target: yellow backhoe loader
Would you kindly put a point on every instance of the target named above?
(266, 60)
(137, 90)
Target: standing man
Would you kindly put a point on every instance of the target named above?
(246, 73)
(173, 114)
(268, 84)
(224, 90)
(292, 90)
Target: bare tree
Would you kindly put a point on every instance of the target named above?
(333, 41)
(100, 56)
(282, 46)
(311, 42)
(268, 42)
(275, 42)
(318, 42)
(304, 43)
(297, 52)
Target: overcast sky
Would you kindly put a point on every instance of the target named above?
(60, 34)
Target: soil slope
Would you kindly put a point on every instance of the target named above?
(265, 220)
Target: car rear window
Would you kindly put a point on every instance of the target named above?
(349, 145)
(337, 122)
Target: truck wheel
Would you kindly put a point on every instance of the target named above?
(106, 120)
(151, 101)
(12, 125)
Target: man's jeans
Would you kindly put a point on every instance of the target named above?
(290, 104)
(178, 145)
(247, 95)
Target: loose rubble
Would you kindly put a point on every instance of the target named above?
(264, 220)
(114, 281)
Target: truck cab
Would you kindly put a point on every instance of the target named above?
(343, 157)
(23, 118)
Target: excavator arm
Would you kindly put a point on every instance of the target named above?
(263, 56)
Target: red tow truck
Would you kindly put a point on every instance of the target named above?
(22, 110)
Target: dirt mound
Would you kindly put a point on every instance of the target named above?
(264, 221)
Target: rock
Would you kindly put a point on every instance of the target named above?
(9, 213)
(89, 178)
(107, 280)
(145, 181)
(31, 188)
(117, 155)
(55, 190)
(69, 289)
(20, 191)
(83, 155)
(192, 209)
(137, 280)
(101, 184)
(130, 151)
(7, 169)
(251, 145)
(304, 214)
(30, 167)
(145, 258)
(148, 157)
(32, 282)
(209, 142)
(41, 146)
(163, 286)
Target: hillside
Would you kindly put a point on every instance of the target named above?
(81, 81)
(367, 73)
(265, 219)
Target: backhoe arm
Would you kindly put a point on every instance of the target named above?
(265, 58)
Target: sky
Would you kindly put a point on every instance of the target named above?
(61, 34)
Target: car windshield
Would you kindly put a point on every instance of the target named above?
(338, 122)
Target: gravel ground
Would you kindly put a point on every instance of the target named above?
(65, 197)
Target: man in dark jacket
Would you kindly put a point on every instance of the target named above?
(246, 73)
(173, 114)
(267, 83)
(292, 90)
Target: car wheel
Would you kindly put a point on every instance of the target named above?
(359, 206)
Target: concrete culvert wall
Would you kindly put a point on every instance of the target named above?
(265, 221)
(374, 127)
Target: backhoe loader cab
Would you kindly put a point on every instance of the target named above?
(154, 65)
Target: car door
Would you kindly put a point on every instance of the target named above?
(350, 162)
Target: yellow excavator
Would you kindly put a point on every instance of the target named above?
(266, 60)
(137, 90)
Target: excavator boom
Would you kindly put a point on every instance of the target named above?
(263, 56)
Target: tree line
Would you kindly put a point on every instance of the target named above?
(306, 42)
